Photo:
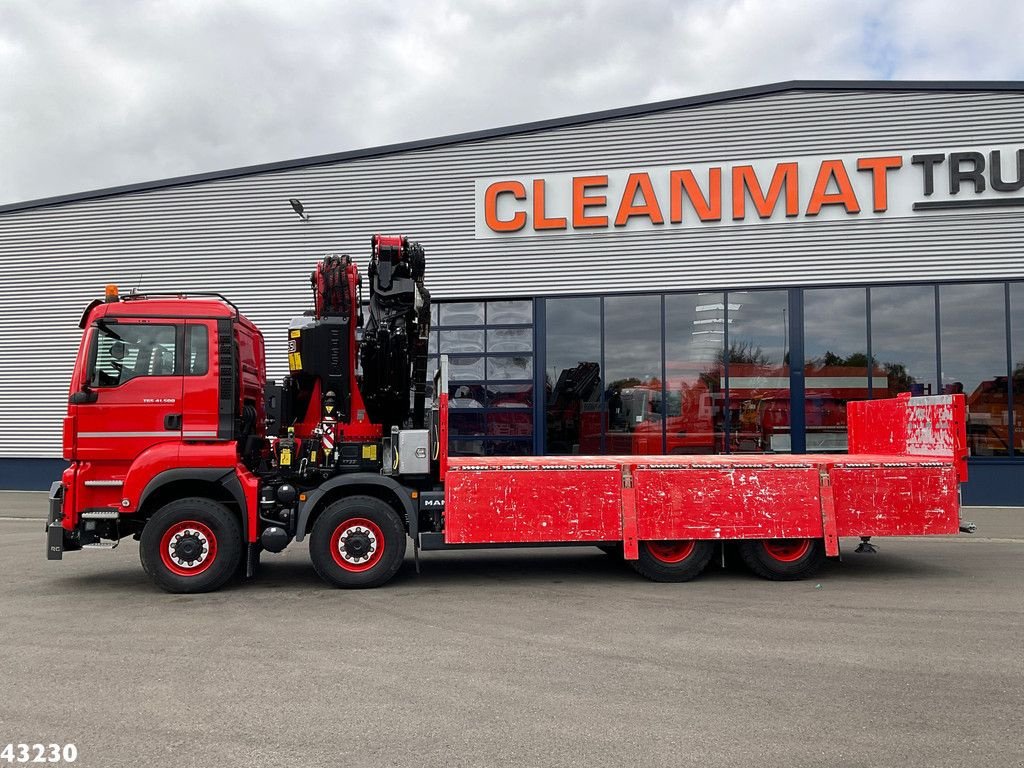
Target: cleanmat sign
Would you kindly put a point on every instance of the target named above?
(801, 189)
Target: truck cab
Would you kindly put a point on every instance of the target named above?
(166, 389)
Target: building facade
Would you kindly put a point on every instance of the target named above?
(718, 274)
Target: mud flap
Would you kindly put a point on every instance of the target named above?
(54, 529)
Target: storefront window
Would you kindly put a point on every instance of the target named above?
(572, 376)
(632, 357)
(903, 339)
(490, 375)
(1017, 364)
(836, 365)
(694, 374)
(757, 408)
(973, 347)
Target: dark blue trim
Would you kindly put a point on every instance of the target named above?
(539, 125)
(664, 381)
(938, 344)
(604, 380)
(29, 474)
(726, 405)
(871, 358)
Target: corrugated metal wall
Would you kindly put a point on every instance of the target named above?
(239, 236)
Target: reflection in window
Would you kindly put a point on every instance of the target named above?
(572, 376)
(1017, 364)
(461, 313)
(973, 345)
(835, 363)
(462, 341)
(694, 346)
(632, 358)
(510, 312)
(510, 340)
(758, 375)
(903, 339)
(127, 351)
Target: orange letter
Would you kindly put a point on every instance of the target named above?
(708, 209)
(580, 201)
(540, 220)
(638, 182)
(745, 180)
(879, 166)
(518, 220)
(832, 169)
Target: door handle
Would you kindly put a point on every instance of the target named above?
(172, 421)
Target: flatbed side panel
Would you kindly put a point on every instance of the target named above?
(497, 506)
(893, 500)
(728, 502)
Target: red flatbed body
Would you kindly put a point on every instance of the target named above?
(901, 478)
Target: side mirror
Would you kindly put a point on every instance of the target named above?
(83, 396)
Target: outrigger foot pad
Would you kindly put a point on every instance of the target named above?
(866, 547)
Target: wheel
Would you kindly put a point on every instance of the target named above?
(783, 559)
(191, 545)
(357, 542)
(673, 560)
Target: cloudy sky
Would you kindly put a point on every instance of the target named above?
(101, 92)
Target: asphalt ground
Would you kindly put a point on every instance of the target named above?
(556, 657)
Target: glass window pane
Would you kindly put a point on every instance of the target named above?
(462, 341)
(198, 350)
(433, 315)
(465, 368)
(509, 395)
(509, 312)
(903, 339)
(508, 447)
(758, 406)
(462, 313)
(128, 351)
(694, 345)
(465, 395)
(572, 376)
(632, 354)
(504, 368)
(1017, 364)
(510, 340)
(510, 423)
(466, 423)
(973, 339)
(835, 363)
(432, 343)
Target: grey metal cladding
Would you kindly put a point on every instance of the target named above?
(239, 236)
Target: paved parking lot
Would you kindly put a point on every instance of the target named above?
(912, 657)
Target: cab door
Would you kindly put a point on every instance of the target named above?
(200, 394)
(135, 373)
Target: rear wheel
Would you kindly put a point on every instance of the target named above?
(679, 560)
(783, 559)
(357, 542)
(191, 545)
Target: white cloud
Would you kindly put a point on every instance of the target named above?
(102, 93)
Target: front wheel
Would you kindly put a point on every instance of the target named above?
(191, 545)
(673, 560)
(783, 559)
(357, 542)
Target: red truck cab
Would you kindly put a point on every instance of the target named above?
(166, 390)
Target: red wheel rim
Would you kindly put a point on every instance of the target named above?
(787, 550)
(188, 548)
(671, 551)
(357, 544)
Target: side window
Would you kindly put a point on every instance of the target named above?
(198, 351)
(126, 351)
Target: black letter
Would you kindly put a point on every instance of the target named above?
(997, 182)
(956, 175)
(928, 163)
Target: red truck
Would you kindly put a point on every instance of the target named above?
(175, 437)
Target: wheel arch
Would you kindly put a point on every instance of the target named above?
(218, 484)
(364, 484)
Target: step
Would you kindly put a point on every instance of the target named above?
(101, 545)
(100, 514)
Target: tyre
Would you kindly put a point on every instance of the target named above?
(358, 542)
(191, 545)
(783, 559)
(673, 560)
